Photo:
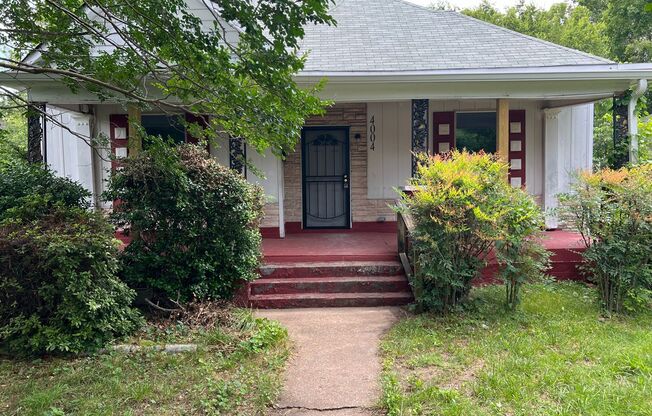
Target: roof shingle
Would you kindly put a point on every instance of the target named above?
(393, 35)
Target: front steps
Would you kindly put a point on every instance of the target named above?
(330, 284)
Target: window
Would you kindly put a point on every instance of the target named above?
(168, 127)
(476, 131)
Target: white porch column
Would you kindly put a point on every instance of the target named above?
(551, 165)
(281, 197)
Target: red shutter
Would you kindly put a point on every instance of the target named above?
(200, 120)
(443, 131)
(517, 147)
(119, 135)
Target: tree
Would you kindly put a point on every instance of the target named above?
(161, 54)
(563, 24)
(13, 130)
(627, 25)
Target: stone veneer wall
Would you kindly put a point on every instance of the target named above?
(270, 218)
(362, 209)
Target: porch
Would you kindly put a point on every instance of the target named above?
(317, 269)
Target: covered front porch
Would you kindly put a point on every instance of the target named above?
(346, 169)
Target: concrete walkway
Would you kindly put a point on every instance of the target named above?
(335, 368)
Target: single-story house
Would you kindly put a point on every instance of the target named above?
(403, 79)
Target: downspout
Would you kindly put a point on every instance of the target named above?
(632, 120)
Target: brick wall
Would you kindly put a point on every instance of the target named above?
(270, 219)
(362, 208)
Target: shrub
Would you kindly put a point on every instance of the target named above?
(518, 250)
(462, 208)
(612, 209)
(30, 186)
(193, 222)
(58, 286)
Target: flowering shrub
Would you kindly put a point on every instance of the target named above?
(612, 209)
(193, 223)
(462, 208)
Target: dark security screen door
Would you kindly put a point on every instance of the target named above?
(325, 154)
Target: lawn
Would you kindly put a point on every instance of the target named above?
(236, 370)
(554, 356)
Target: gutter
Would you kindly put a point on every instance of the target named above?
(632, 120)
(550, 73)
(600, 72)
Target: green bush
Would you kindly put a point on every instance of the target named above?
(58, 286)
(518, 250)
(193, 223)
(25, 186)
(612, 209)
(462, 208)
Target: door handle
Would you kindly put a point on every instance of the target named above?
(345, 181)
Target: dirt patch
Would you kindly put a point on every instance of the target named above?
(468, 374)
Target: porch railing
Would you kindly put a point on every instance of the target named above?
(408, 254)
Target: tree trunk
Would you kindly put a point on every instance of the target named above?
(620, 155)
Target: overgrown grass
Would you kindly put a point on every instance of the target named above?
(236, 370)
(554, 356)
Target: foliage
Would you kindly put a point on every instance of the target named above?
(645, 139)
(519, 252)
(225, 376)
(563, 24)
(193, 222)
(231, 59)
(58, 283)
(555, 355)
(613, 211)
(603, 135)
(13, 136)
(629, 29)
(25, 186)
(462, 207)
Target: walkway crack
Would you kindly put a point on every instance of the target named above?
(320, 409)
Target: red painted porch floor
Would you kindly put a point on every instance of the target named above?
(327, 247)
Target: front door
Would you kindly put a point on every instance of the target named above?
(325, 155)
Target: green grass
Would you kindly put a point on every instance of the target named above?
(553, 356)
(236, 370)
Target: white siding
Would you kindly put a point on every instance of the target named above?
(389, 163)
(67, 143)
(269, 167)
(568, 149)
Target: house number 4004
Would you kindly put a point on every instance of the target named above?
(372, 133)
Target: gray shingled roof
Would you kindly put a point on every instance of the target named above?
(393, 35)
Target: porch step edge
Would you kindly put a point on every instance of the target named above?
(330, 285)
(330, 269)
(315, 300)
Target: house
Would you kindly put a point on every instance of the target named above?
(404, 79)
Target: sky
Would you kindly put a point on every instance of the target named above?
(501, 4)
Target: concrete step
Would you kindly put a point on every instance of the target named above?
(307, 258)
(353, 284)
(330, 269)
(329, 300)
